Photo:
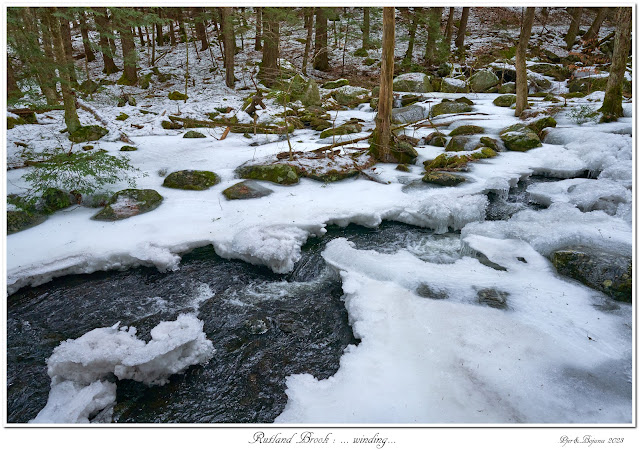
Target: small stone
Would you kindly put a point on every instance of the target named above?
(493, 298)
(443, 178)
(128, 148)
(193, 135)
(246, 190)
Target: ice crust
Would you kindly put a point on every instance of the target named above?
(424, 360)
(80, 368)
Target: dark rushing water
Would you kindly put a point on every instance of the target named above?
(263, 326)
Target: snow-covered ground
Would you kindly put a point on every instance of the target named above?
(420, 360)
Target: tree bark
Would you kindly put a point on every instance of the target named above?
(41, 66)
(269, 70)
(449, 26)
(258, 28)
(573, 30)
(521, 85)
(70, 112)
(434, 35)
(320, 61)
(86, 43)
(412, 31)
(612, 108)
(128, 52)
(229, 44)
(309, 38)
(381, 145)
(105, 48)
(13, 91)
(158, 29)
(65, 29)
(461, 31)
(366, 29)
(200, 28)
(593, 31)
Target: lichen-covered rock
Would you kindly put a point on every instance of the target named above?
(457, 144)
(402, 168)
(443, 178)
(350, 95)
(335, 84)
(453, 85)
(519, 137)
(604, 271)
(128, 148)
(88, 133)
(436, 139)
(21, 220)
(465, 100)
(361, 52)
(545, 122)
(404, 153)
(493, 298)
(506, 100)
(346, 128)
(246, 190)
(122, 116)
(466, 130)
(193, 135)
(407, 114)
(449, 108)
(170, 125)
(277, 173)
(447, 162)
(508, 88)
(175, 95)
(482, 81)
(128, 203)
(412, 82)
(489, 142)
(192, 180)
(483, 152)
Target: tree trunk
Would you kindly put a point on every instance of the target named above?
(226, 23)
(612, 108)
(13, 91)
(593, 31)
(461, 31)
(172, 34)
(129, 54)
(43, 66)
(200, 28)
(321, 41)
(70, 112)
(366, 29)
(158, 29)
(434, 35)
(412, 31)
(573, 30)
(309, 38)
(86, 43)
(449, 26)
(269, 71)
(520, 62)
(381, 145)
(258, 28)
(65, 29)
(105, 48)
(141, 36)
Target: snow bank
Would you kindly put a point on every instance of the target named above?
(78, 367)
(550, 356)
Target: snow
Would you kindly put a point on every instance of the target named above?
(78, 367)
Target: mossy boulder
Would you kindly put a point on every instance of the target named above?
(545, 122)
(465, 100)
(122, 116)
(443, 178)
(89, 87)
(453, 85)
(508, 88)
(276, 173)
(457, 144)
(559, 72)
(412, 82)
(346, 128)
(489, 142)
(351, 96)
(246, 190)
(482, 81)
(170, 125)
(407, 100)
(402, 168)
(128, 148)
(193, 135)
(332, 175)
(436, 139)
(21, 220)
(192, 180)
(505, 101)
(447, 162)
(520, 138)
(311, 94)
(483, 153)
(466, 130)
(407, 114)
(449, 108)
(175, 95)
(369, 61)
(88, 133)
(361, 52)
(128, 203)
(604, 271)
(404, 153)
(13, 121)
(335, 84)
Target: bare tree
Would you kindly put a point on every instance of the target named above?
(86, 43)
(461, 31)
(200, 27)
(366, 29)
(309, 38)
(434, 34)
(449, 26)
(100, 17)
(226, 20)
(593, 31)
(612, 108)
(320, 61)
(258, 28)
(269, 70)
(573, 30)
(520, 62)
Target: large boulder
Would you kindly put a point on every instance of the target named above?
(128, 203)
(466, 130)
(545, 122)
(192, 180)
(604, 271)
(412, 82)
(505, 101)
(346, 128)
(335, 84)
(277, 173)
(453, 85)
(458, 143)
(482, 81)
(519, 137)
(245, 190)
(443, 178)
(351, 95)
(436, 139)
(19, 220)
(449, 108)
(88, 133)
(407, 114)
(508, 88)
